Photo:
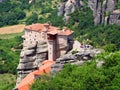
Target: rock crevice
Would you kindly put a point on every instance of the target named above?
(31, 57)
(104, 11)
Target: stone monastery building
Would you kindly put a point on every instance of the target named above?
(42, 42)
(58, 41)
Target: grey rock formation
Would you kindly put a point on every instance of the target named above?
(74, 59)
(114, 17)
(99, 63)
(66, 8)
(103, 11)
(30, 1)
(31, 57)
(111, 5)
(61, 8)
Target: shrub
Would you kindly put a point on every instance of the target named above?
(32, 19)
(85, 77)
(110, 48)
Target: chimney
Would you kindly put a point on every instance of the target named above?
(64, 29)
(46, 26)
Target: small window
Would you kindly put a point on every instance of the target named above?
(119, 17)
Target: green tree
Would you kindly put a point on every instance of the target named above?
(85, 77)
(110, 48)
(32, 19)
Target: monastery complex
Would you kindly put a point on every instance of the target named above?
(59, 41)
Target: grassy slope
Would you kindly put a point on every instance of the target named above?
(12, 29)
(9, 36)
(7, 81)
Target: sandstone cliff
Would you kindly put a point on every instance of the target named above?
(77, 56)
(31, 57)
(66, 8)
(104, 11)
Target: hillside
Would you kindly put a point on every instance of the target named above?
(10, 46)
(88, 76)
(7, 81)
(23, 12)
(12, 29)
(9, 54)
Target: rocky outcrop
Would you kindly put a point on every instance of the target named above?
(30, 1)
(61, 8)
(77, 58)
(114, 17)
(66, 8)
(103, 11)
(31, 57)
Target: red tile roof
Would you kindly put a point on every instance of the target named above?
(65, 32)
(35, 27)
(50, 29)
(52, 32)
(30, 78)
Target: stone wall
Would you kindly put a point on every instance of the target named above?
(31, 37)
(34, 52)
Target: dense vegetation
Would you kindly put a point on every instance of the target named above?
(7, 81)
(85, 77)
(9, 54)
(11, 12)
(15, 12)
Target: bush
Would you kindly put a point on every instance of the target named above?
(110, 48)
(85, 77)
(32, 19)
(9, 59)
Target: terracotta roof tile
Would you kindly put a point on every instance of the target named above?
(52, 32)
(65, 32)
(29, 79)
(50, 29)
(35, 27)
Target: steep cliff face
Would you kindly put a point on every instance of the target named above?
(104, 11)
(31, 57)
(77, 56)
(42, 42)
(114, 17)
(66, 8)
